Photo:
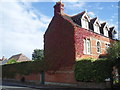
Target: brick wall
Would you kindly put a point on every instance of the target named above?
(59, 43)
(60, 77)
(80, 34)
(29, 78)
(63, 44)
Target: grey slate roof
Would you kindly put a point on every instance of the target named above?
(93, 20)
(76, 21)
(78, 15)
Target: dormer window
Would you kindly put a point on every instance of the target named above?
(96, 28)
(106, 31)
(96, 25)
(85, 23)
(113, 33)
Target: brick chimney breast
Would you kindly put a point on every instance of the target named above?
(58, 8)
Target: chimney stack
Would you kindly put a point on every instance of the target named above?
(58, 8)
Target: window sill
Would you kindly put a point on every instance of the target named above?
(87, 54)
(99, 53)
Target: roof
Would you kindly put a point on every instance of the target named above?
(3, 60)
(16, 57)
(78, 15)
(19, 57)
(93, 20)
(112, 27)
(75, 20)
(69, 18)
(112, 30)
(103, 24)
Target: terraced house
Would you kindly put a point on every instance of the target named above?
(70, 38)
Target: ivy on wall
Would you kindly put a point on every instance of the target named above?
(23, 68)
(86, 70)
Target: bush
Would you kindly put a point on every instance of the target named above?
(102, 70)
(83, 70)
(97, 71)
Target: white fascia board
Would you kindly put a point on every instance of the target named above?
(114, 31)
(98, 22)
(85, 14)
(107, 27)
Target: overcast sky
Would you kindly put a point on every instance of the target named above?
(23, 24)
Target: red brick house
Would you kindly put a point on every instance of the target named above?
(70, 38)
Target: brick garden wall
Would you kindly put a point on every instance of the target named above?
(29, 78)
(64, 75)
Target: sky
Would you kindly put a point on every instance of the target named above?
(23, 24)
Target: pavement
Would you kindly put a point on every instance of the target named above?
(11, 85)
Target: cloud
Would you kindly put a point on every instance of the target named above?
(100, 8)
(74, 5)
(91, 14)
(22, 28)
(62, 0)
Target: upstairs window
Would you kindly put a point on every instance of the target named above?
(106, 31)
(98, 47)
(85, 23)
(114, 34)
(96, 28)
(87, 46)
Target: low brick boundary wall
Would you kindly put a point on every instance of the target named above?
(66, 78)
(60, 78)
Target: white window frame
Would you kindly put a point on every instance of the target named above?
(87, 46)
(84, 41)
(98, 47)
(106, 31)
(96, 28)
(85, 23)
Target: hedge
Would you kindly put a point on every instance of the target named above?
(97, 71)
(86, 70)
(23, 68)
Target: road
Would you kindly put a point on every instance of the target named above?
(17, 86)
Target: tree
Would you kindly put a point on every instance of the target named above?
(38, 54)
(114, 51)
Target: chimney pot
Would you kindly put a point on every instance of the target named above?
(58, 8)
